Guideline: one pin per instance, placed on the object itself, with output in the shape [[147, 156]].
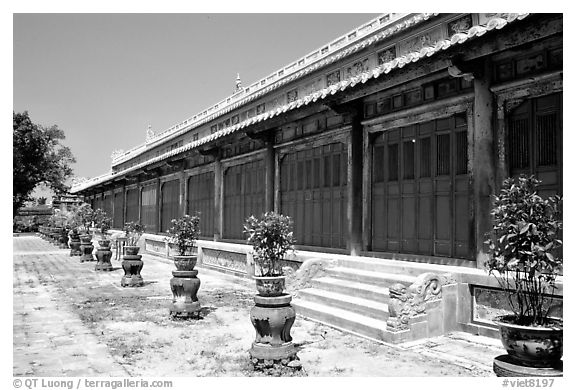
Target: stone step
[[394, 266], [370, 277], [367, 307], [352, 288], [341, 319]]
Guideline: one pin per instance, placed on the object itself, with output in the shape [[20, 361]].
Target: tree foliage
[[38, 158]]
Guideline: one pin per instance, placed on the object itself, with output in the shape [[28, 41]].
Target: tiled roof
[[496, 22]]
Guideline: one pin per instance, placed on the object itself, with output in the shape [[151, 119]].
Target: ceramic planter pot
[[270, 286], [86, 248], [185, 263], [529, 345], [131, 250], [103, 254], [75, 243], [132, 265]]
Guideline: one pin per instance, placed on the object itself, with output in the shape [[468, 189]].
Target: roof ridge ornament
[[238, 86], [149, 134]]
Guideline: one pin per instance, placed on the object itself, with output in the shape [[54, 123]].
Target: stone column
[[218, 203], [483, 168]]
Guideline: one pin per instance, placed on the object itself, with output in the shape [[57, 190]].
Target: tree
[[38, 158]]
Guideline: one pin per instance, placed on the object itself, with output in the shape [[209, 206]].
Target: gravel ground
[[134, 326]]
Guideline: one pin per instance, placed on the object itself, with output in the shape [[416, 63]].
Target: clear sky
[[103, 78]]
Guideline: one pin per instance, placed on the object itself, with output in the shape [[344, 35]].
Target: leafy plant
[[184, 232], [83, 217], [271, 236], [102, 222], [525, 249], [134, 231]]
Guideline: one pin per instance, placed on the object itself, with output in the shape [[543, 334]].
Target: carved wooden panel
[[243, 196], [420, 194], [118, 220], [170, 203], [201, 201], [313, 192], [149, 208], [132, 205]]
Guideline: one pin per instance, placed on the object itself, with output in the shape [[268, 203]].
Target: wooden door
[[535, 142], [118, 221], [201, 201], [170, 204], [149, 208], [420, 190], [243, 196], [132, 205], [313, 192]]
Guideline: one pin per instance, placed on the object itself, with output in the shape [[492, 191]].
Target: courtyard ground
[[69, 320]]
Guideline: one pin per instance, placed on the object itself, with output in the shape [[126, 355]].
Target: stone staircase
[[386, 300]]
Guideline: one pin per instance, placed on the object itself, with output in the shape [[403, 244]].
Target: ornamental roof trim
[[496, 22], [318, 58]]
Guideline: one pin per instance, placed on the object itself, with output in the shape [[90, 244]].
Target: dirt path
[[103, 329]]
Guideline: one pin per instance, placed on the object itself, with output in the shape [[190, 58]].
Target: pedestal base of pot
[[86, 253], [184, 286], [504, 365], [103, 254], [272, 318], [132, 265]]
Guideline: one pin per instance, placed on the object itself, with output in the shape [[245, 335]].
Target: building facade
[[388, 141]]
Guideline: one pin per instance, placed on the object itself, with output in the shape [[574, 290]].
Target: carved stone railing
[[407, 303], [310, 269]]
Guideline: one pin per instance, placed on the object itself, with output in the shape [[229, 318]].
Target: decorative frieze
[[333, 78], [157, 247], [224, 259], [386, 55], [292, 96], [460, 25], [357, 68], [415, 44]]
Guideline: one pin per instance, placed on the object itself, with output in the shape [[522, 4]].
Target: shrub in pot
[[526, 259], [84, 215], [102, 223], [183, 235], [271, 238], [132, 263], [133, 231], [185, 284]]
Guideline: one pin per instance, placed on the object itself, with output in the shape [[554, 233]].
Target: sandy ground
[[134, 327]]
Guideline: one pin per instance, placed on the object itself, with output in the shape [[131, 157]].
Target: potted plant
[[85, 218], [271, 237], [132, 262], [183, 234], [525, 257], [133, 231], [185, 284], [272, 316], [102, 223]]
